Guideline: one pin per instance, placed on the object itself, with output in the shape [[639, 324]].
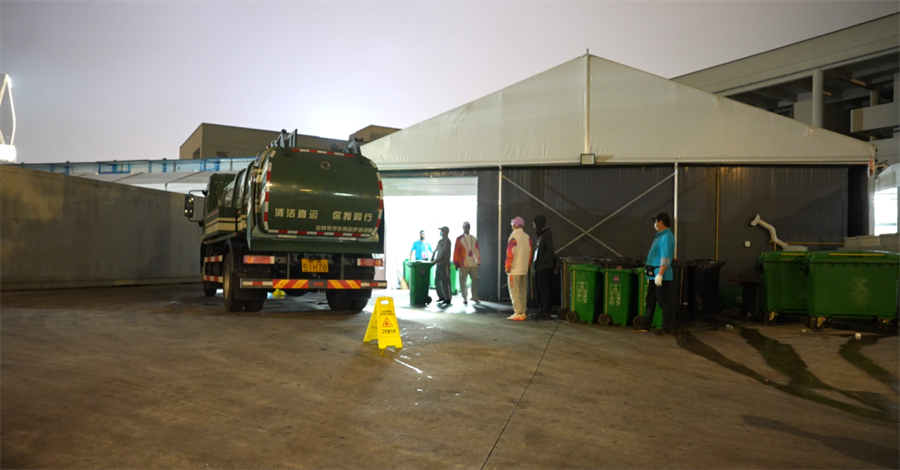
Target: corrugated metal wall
[[806, 204]]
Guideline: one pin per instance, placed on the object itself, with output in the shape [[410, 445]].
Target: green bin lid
[[585, 267], [864, 257], [783, 256], [620, 271]]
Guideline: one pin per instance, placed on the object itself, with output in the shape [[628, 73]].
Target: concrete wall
[[62, 231]]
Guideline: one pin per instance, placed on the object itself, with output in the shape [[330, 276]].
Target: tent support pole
[[587, 102], [717, 213], [500, 233], [675, 221]]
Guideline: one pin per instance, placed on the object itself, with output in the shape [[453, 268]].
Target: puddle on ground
[[804, 383]]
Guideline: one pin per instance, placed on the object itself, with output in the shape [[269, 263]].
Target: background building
[[218, 141], [847, 81]]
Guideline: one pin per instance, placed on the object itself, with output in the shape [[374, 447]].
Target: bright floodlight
[[6, 89], [8, 153]]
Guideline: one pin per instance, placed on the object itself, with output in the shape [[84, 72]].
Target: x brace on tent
[[583, 231]]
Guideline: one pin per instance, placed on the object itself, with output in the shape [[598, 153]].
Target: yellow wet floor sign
[[383, 325]]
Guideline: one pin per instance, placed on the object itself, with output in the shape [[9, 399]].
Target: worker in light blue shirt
[[421, 250], [659, 276]]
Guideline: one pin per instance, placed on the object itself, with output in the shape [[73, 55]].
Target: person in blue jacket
[[659, 275]]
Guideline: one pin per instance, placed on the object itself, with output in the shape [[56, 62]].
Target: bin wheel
[[769, 318], [603, 319], [881, 325], [638, 321], [561, 313], [427, 300], [817, 324], [571, 316]]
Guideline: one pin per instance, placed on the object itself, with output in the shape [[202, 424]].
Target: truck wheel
[[338, 300], [229, 287], [357, 305], [210, 288], [254, 305]]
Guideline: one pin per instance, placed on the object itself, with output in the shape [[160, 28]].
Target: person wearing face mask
[[543, 266], [659, 275], [441, 258]]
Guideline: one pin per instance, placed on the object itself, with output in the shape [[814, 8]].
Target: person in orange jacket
[[467, 259]]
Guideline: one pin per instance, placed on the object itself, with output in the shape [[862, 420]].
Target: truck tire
[[357, 305], [338, 300], [210, 288], [254, 305], [229, 287]]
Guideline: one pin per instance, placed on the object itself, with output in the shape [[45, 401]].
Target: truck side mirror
[[188, 206]]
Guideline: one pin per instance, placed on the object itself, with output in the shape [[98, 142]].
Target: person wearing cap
[[421, 250], [467, 258], [518, 261], [441, 258], [544, 264], [659, 263]]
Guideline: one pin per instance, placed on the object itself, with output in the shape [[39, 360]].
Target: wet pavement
[[163, 377]]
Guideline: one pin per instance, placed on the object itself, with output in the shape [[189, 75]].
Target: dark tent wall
[[806, 204]]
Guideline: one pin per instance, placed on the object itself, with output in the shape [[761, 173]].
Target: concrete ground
[[162, 377]]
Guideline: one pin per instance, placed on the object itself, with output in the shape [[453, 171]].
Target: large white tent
[[591, 105]]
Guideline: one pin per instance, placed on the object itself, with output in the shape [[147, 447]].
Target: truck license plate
[[314, 265]]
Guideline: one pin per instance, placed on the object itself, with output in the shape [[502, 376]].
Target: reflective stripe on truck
[[311, 284]]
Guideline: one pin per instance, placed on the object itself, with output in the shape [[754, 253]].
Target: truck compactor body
[[296, 219]]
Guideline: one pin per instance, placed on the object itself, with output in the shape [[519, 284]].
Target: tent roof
[[620, 114]]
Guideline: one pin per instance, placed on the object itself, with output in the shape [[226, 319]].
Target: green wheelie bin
[[587, 292], [784, 282], [859, 285], [616, 297], [419, 275], [641, 316]]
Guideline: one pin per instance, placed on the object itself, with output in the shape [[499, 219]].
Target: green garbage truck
[[297, 219]]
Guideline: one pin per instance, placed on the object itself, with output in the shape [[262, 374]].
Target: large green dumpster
[[640, 318], [419, 274], [784, 283], [616, 297], [853, 285], [586, 293]]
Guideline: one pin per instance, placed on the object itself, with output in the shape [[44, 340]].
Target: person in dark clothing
[[441, 258], [543, 266]]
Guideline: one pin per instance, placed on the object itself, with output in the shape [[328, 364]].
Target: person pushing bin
[[659, 274]]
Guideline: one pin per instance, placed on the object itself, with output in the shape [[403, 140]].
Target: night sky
[[132, 80]]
